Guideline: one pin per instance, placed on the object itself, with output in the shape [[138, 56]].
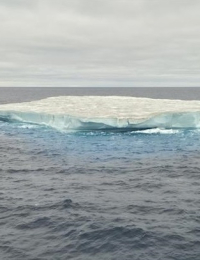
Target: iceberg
[[105, 113]]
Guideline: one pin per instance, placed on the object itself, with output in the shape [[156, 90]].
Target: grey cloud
[[87, 42]]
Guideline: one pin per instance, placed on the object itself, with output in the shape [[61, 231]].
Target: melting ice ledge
[[105, 113]]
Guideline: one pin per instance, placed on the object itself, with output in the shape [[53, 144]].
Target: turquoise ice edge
[[184, 120]]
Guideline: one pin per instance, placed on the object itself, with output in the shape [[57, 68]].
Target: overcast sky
[[100, 43]]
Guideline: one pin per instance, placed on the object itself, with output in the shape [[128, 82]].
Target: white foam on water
[[105, 113], [158, 131]]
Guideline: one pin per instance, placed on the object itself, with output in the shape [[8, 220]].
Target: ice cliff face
[[105, 113]]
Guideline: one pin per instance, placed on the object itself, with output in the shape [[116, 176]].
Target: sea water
[[106, 194]]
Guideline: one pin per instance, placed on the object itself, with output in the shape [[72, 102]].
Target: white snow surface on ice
[[105, 113]]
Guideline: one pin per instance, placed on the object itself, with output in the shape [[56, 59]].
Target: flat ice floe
[[105, 113]]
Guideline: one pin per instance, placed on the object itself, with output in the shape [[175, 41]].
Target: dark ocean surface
[[11, 95], [98, 195]]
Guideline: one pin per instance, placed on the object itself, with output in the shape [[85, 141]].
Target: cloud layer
[[99, 43]]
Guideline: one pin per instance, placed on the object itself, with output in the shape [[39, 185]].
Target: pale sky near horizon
[[122, 43]]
